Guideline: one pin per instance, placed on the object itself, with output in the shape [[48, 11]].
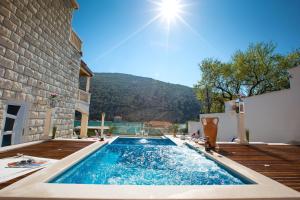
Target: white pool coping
[[36, 187]]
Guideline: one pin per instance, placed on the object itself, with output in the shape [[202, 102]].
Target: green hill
[[141, 99]]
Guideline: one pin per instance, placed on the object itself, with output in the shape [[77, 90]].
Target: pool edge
[[35, 186]]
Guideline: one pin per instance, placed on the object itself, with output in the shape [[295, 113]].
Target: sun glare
[[169, 9]]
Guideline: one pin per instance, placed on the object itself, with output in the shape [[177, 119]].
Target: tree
[[262, 70], [212, 102], [174, 129], [255, 71]]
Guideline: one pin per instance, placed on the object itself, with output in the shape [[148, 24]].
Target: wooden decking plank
[[49, 149], [279, 162]]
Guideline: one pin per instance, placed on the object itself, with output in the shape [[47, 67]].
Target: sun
[[169, 10]]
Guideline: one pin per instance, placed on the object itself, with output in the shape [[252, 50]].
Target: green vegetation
[[174, 129], [257, 70], [91, 133], [111, 129], [54, 132], [141, 99], [184, 130]]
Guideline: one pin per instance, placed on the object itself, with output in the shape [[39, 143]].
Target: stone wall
[[37, 59]]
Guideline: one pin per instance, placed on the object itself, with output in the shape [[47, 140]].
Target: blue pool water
[[137, 161]]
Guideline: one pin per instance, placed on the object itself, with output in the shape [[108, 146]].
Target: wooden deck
[[48, 149], [279, 162]]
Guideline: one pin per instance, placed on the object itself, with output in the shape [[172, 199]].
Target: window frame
[[23, 110]]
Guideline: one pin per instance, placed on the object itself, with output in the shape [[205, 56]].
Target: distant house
[[40, 65], [117, 118], [158, 124]]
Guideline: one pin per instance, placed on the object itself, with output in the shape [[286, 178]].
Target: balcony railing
[[75, 40], [84, 96]]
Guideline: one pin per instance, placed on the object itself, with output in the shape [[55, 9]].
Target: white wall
[[271, 117], [193, 127], [227, 128]]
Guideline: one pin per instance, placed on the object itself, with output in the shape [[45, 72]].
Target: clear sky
[[123, 36]]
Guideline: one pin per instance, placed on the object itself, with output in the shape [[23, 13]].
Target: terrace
[[39, 96], [84, 96], [278, 162], [48, 149]]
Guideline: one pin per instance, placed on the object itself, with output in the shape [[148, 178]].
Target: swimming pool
[[138, 161], [48, 183]]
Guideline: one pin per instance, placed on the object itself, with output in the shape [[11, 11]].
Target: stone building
[[40, 65]]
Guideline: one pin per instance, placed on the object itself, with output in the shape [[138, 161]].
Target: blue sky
[[118, 37]]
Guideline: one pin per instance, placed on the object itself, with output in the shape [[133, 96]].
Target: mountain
[[137, 98]]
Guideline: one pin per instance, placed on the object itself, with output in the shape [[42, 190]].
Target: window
[[13, 124], [9, 124], [6, 140], [12, 109]]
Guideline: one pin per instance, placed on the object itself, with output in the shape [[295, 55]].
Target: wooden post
[[84, 125]]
